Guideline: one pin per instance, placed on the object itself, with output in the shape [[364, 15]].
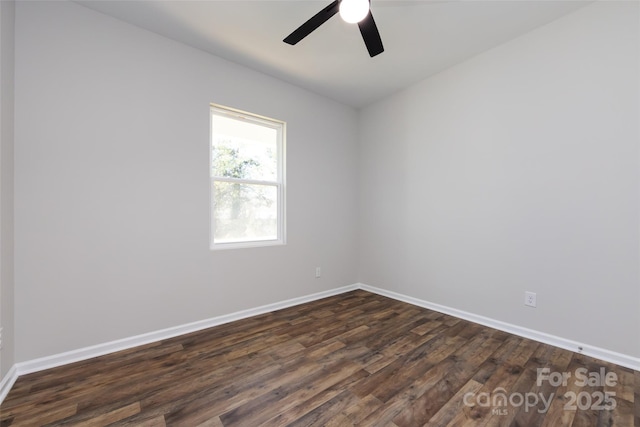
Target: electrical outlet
[[530, 299], [318, 272]]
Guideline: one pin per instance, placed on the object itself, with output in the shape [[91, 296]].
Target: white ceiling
[[421, 37]]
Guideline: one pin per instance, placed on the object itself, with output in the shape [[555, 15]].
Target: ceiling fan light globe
[[353, 11]]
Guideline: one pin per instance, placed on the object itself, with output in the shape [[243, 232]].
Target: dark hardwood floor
[[353, 359]]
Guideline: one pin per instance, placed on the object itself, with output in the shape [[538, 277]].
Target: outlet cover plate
[[530, 299]]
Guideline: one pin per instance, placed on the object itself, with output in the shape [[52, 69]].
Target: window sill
[[242, 245]]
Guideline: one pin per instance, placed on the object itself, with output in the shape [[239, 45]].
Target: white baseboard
[[55, 360], [7, 382], [586, 349], [130, 342]]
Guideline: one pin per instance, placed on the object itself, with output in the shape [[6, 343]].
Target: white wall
[[7, 21], [111, 184], [516, 170]]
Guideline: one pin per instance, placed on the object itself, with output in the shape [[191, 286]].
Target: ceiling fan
[[352, 11]]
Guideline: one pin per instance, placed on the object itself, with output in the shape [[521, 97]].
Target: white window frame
[[280, 128]]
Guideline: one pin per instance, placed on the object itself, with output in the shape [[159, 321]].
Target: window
[[247, 179]]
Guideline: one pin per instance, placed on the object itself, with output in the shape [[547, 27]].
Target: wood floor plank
[[213, 422], [511, 364], [460, 369], [154, 422], [352, 359], [46, 416], [590, 416], [99, 417], [323, 414], [455, 412], [636, 400], [402, 373], [287, 396], [559, 414], [288, 416], [533, 415], [361, 409]]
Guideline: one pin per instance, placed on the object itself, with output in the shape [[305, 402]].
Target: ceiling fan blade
[[308, 27], [370, 35]]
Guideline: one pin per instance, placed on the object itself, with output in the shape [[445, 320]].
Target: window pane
[[242, 149], [245, 212]]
